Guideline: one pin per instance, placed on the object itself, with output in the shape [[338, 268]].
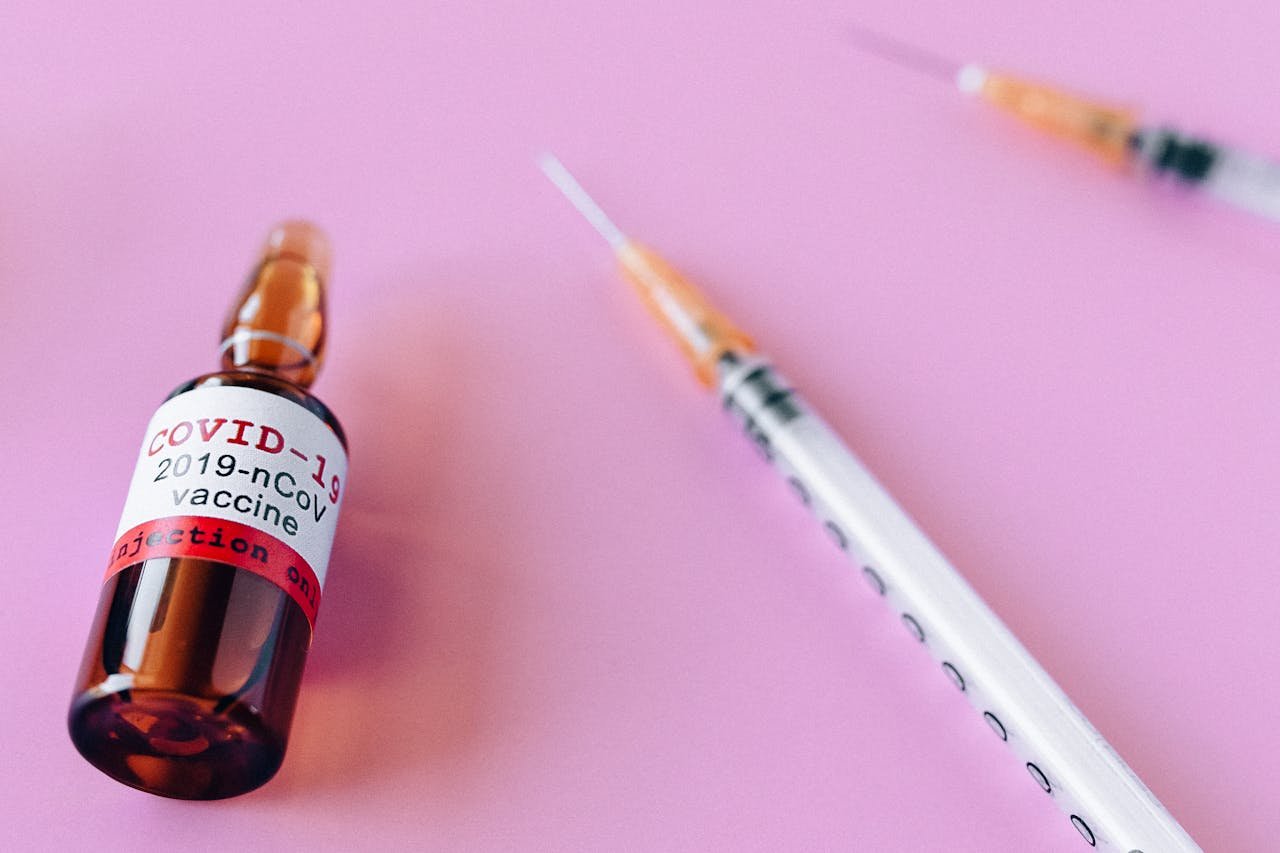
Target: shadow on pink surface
[[397, 674]]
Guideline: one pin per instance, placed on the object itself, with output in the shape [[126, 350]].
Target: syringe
[[1105, 801], [1112, 132]]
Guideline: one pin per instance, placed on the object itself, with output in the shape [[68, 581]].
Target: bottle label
[[239, 476]]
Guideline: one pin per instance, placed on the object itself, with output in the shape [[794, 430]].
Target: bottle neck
[[277, 326]]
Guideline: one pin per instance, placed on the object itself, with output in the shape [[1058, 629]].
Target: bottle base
[[175, 745]]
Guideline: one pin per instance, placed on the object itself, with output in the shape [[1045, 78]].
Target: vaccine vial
[[191, 673]]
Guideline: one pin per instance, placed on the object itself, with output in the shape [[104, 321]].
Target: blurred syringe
[[1112, 132], [1065, 755]]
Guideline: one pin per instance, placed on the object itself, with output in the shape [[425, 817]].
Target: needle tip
[[548, 163]]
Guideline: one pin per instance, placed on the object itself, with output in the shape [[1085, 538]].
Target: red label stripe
[[222, 541]]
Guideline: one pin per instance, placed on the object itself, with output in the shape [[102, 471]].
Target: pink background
[[569, 609]]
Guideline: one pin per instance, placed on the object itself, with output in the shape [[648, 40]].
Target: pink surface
[[569, 609]]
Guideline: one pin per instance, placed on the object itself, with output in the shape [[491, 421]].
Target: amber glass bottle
[[191, 674]]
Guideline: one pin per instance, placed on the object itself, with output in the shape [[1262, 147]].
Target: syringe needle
[[1104, 129], [1104, 801], [1109, 130], [577, 196], [702, 332], [902, 53]]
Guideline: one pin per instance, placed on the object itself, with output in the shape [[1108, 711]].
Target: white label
[[273, 471]]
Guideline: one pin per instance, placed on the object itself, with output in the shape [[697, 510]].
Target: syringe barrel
[[1241, 178], [1104, 799]]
